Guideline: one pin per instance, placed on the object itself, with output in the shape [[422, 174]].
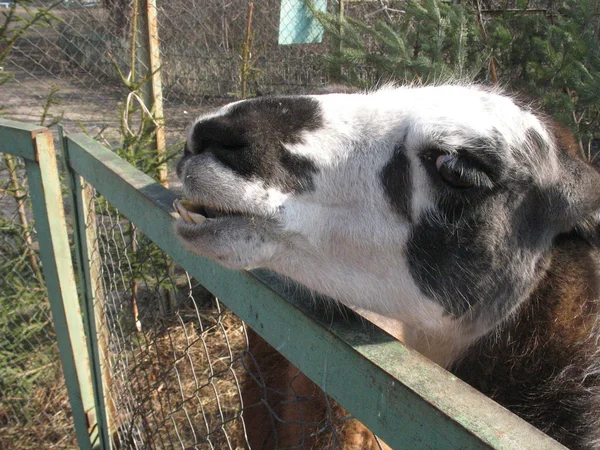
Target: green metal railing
[[35, 146], [403, 398]]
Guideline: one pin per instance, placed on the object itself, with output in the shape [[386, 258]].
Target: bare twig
[[19, 197], [7, 41], [246, 51]]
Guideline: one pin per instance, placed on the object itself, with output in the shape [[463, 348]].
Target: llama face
[[435, 206]]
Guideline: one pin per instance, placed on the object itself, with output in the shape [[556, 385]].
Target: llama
[[451, 209]]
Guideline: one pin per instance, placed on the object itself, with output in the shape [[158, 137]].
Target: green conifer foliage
[[431, 40], [552, 56]]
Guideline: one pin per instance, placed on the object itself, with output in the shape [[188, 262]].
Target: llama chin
[[450, 209]]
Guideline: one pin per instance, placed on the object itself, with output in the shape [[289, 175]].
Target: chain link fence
[[74, 67], [72, 71], [34, 406], [172, 352], [179, 371]]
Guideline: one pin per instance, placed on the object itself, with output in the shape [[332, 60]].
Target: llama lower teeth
[[183, 208], [198, 219]]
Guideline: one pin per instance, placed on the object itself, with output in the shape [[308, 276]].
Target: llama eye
[[453, 173]]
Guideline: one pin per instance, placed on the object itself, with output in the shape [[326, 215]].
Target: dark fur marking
[[487, 154], [454, 265], [470, 264], [395, 178], [250, 140]]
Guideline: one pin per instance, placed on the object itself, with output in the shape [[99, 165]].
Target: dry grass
[[40, 418], [185, 381]]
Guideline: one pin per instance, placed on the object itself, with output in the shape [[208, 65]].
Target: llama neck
[[443, 348], [546, 354]]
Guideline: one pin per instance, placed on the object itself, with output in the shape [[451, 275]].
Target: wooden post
[[18, 194], [148, 46], [149, 57], [338, 45], [246, 52]]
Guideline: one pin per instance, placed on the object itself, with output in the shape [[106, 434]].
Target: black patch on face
[[452, 267], [250, 140], [395, 177], [486, 154], [476, 256]]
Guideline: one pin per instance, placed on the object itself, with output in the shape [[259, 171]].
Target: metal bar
[[15, 138], [50, 224], [87, 256], [405, 399]]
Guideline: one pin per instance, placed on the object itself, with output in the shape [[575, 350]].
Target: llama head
[[436, 206]]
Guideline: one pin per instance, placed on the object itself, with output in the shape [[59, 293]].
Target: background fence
[[76, 61], [72, 70], [172, 353]]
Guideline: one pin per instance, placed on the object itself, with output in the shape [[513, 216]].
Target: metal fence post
[[87, 256], [35, 146]]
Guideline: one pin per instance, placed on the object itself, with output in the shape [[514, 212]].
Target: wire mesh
[[182, 371], [172, 351], [70, 70], [34, 406]]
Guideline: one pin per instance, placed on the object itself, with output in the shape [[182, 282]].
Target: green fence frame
[[405, 399], [35, 146]]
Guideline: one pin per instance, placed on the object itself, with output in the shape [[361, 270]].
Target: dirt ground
[[96, 110]]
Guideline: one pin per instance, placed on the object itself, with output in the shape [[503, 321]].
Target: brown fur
[[531, 364], [538, 363], [299, 414]]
